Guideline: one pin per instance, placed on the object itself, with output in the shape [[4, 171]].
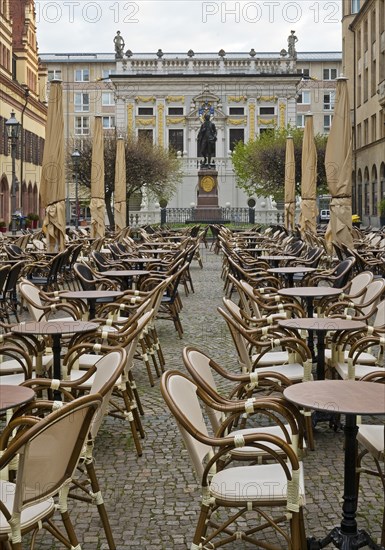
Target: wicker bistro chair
[[241, 487], [371, 448], [44, 470], [101, 379], [8, 297], [201, 369], [83, 357], [362, 311]]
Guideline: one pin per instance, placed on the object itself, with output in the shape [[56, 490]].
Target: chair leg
[[100, 504], [63, 501], [135, 393], [201, 527]]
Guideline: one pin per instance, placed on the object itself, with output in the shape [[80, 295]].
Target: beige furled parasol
[[97, 205], [289, 185], [120, 186], [338, 166], [309, 210], [52, 183]]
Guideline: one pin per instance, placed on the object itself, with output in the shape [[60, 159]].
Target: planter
[[382, 220], [3, 229]]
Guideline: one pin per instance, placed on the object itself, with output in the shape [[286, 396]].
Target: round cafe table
[[289, 272], [92, 297], [351, 398], [125, 275], [321, 326], [14, 396], [278, 258], [308, 293], [55, 329]]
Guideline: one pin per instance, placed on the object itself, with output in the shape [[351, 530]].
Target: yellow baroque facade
[[23, 84]]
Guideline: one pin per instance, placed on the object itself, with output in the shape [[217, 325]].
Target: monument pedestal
[[207, 209]]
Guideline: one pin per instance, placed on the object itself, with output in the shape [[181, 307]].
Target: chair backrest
[[108, 370], [197, 364], [13, 277], [49, 451], [181, 398], [358, 284], [85, 276], [342, 272], [31, 295], [373, 294], [4, 270], [99, 260]]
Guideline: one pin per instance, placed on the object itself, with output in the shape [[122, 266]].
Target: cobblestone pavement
[[153, 500]]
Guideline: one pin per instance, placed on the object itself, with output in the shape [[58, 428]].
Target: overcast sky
[[177, 26]]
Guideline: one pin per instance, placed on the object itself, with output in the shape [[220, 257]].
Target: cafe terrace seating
[[229, 493], [44, 470]]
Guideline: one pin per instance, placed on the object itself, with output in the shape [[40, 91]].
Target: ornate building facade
[[162, 96], [23, 91], [364, 64]]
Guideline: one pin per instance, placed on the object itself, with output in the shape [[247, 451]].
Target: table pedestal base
[[345, 542]]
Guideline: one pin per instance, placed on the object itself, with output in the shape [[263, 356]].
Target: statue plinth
[[207, 209]]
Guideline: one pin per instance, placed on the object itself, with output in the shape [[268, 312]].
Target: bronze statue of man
[[207, 137]]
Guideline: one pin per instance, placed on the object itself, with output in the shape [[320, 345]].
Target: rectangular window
[[359, 136], [236, 111], [82, 125], [304, 72], [145, 111], [108, 99], [267, 110], [329, 99], [327, 122], [355, 6], [175, 139], [146, 134], [175, 111], [300, 121], [54, 74], [330, 74], [108, 122], [366, 85], [81, 102], [304, 98], [373, 124], [236, 135], [366, 131], [107, 72], [82, 75]]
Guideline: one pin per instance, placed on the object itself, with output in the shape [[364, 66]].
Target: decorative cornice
[[237, 121], [145, 121], [268, 98], [175, 99], [145, 99], [175, 120]]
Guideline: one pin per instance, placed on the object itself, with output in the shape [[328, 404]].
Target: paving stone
[[153, 501]]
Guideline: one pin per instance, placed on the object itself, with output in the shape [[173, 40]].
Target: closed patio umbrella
[[52, 183], [120, 186], [338, 166], [309, 210], [97, 205], [289, 185]]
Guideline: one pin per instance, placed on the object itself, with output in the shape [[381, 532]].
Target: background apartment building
[[22, 90], [364, 63], [161, 96]]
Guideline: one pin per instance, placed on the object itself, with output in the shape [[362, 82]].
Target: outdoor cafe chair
[[44, 470], [362, 311], [241, 491], [9, 298], [371, 449], [336, 277], [101, 379], [368, 346], [267, 386]]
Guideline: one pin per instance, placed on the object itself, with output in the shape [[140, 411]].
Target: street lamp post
[[13, 129], [75, 159]]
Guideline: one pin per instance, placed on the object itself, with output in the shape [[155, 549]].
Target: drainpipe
[[26, 97], [355, 119]]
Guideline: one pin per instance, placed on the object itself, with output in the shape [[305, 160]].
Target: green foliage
[[260, 164], [381, 207], [146, 164]]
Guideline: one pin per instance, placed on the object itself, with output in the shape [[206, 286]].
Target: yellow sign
[[207, 183]]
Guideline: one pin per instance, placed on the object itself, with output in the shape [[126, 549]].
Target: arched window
[[382, 180], [366, 192], [359, 193], [374, 191], [4, 198]]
